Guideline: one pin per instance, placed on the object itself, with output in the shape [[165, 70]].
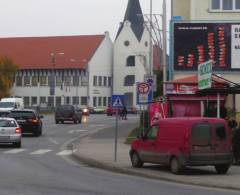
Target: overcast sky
[[65, 17]]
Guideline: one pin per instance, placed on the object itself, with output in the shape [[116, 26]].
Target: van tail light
[[18, 130]]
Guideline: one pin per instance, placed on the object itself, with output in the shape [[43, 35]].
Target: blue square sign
[[118, 101]]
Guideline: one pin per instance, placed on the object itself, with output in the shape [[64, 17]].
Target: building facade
[[208, 30], [73, 70], [131, 53]]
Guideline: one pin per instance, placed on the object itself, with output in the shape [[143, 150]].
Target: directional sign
[[205, 75], [118, 101], [144, 93]]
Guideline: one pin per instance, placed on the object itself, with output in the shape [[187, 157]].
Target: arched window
[[129, 80], [131, 61]]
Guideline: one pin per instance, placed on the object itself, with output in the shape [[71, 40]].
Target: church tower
[[131, 53]]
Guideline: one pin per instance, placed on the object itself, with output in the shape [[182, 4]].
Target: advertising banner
[[196, 43], [157, 110]]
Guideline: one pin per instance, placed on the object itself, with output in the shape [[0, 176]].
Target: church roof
[[71, 52], [134, 15]]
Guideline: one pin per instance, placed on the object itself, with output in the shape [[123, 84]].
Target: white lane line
[[65, 153], [14, 151], [53, 140], [77, 131], [41, 151]]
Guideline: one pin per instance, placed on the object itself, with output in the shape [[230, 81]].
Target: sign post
[[117, 103]]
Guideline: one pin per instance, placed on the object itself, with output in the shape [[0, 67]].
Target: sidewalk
[[99, 152]]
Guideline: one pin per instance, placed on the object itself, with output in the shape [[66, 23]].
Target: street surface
[[44, 165]]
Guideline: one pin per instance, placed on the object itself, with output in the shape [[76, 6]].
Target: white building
[[131, 53], [81, 67]]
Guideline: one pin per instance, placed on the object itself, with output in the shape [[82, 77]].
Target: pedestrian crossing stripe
[[117, 102], [42, 151], [65, 153], [14, 151]]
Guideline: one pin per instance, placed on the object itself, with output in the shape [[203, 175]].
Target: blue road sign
[[118, 101], [144, 93]]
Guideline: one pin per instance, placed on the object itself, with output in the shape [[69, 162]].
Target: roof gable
[[134, 15], [72, 52]]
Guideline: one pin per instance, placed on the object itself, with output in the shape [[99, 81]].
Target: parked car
[[4, 113], [10, 132], [110, 111], [131, 110], [68, 113], [181, 142], [29, 120]]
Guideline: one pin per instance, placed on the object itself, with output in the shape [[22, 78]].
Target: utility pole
[[164, 28], [150, 42]]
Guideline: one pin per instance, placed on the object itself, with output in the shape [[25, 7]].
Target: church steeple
[[134, 15]]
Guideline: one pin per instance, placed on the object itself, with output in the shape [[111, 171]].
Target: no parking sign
[[144, 93]]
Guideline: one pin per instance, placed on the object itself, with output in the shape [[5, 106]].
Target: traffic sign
[[144, 93], [205, 75], [118, 101]]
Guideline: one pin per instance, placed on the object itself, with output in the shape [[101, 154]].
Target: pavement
[[98, 150]]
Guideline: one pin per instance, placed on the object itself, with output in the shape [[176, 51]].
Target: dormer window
[[130, 61]]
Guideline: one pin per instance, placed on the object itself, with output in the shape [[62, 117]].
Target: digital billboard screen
[[196, 43]]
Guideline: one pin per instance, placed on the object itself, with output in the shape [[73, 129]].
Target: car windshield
[[7, 123], [22, 114], [65, 107], [6, 104]]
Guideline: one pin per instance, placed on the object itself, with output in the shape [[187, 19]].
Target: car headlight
[[85, 110]]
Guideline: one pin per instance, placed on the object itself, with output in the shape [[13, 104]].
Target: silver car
[[10, 132]]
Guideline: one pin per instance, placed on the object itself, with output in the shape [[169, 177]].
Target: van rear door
[[201, 143]]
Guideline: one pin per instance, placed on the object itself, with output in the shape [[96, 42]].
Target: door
[[148, 149], [202, 143]]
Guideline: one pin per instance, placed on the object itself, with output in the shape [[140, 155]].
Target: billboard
[[196, 43]]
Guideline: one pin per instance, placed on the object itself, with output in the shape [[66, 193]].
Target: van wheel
[[222, 169], [75, 121], [136, 161], [175, 166], [18, 144]]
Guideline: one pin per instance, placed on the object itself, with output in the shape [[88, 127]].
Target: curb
[[134, 172]]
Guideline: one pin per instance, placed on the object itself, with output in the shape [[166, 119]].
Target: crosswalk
[[37, 152]]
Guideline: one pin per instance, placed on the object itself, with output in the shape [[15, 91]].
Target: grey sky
[[65, 17]]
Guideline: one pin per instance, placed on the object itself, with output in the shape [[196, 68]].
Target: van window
[[152, 134], [220, 131], [201, 133]]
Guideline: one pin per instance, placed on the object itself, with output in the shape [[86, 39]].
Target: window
[[75, 100], [58, 81], [131, 61], [152, 133], [84, 100], [201, 134], [94, 101], [109, 81], [104, 81], [18, 81], [34, 101], [26, 81], [50, 101], [104, 101], [67, 100], [34, 80], [100, 81], [129, 80], [26, 101], [94, 80], [75, 80], [126, 43], [99, 101], [225, 5], [43, 100], [43, 80], [67, 80], [220, 132], [84, 80], [51, 81], [58, 101]]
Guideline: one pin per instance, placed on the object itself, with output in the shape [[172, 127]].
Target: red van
[[181, 142]]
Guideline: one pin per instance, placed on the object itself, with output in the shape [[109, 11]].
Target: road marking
[[77, 131], [53, 140], [65, 153], [14, 151], [41, 151]]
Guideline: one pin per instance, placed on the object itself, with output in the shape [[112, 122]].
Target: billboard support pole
[[218, 105]]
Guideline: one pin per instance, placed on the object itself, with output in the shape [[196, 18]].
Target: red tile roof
[[35, 52]]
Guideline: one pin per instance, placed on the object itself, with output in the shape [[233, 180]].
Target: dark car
[[29, 120], [85, 110], [68, 113]]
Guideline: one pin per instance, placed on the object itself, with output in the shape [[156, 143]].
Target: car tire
[[18, 144], [136, 161], [62, 121], [75, 121], [222, 168], [57, 121], [175, 166]]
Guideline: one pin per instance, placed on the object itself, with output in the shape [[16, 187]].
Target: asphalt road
[[44, 166]]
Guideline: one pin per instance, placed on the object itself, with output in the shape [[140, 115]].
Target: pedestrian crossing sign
[[117, 101]]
